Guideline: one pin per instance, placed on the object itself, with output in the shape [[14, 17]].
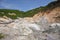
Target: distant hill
[[48, 7], [16, 13], [11, 13], [30, 13]]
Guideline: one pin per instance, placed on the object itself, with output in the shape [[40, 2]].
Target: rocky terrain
[[42, 26]]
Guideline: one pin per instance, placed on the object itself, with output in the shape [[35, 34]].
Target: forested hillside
[[11, 13], [30, 13]]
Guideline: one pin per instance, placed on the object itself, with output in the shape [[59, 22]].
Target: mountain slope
[[10, 13], [30, 13]]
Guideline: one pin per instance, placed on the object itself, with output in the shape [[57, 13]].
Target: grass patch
[[1, 35]]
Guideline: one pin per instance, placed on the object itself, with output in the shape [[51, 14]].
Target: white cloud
[[4, 4], [8, 5]]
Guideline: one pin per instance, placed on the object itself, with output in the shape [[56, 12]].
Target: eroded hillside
[[45, 25]]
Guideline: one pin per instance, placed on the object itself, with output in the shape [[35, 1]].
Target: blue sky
[[23, 5]]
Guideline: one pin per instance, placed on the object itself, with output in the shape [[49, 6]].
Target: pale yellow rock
[[13, 14], [53, 15], [5, 17]]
